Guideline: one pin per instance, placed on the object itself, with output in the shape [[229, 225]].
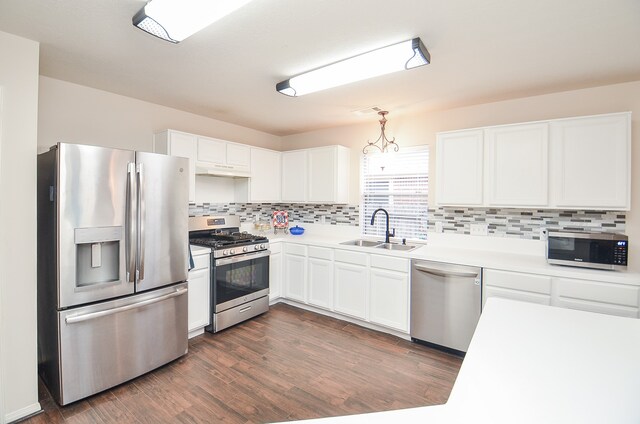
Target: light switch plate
[[439, 227]]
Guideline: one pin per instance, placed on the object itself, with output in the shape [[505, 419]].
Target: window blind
[[397, 182]]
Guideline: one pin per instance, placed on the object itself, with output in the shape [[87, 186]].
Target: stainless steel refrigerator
[[112, 265]]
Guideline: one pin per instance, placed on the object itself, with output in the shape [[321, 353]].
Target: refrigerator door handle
[[131, 224], [93, 315], [141, 221]]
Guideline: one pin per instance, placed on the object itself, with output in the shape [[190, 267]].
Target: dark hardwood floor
[[285, 365]]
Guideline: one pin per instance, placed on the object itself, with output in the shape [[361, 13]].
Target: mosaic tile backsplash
[[248, 212], [514, 223], [525, 224]]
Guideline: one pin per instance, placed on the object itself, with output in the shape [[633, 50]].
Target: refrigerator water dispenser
[[97, 255]]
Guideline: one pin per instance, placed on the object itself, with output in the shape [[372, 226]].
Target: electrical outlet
[[479, 229], [323, 219], [543, 234], [439, 227]]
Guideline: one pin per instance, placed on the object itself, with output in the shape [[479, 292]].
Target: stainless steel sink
[[361, 243], [399, 247]]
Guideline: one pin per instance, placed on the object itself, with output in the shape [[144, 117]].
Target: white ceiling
[[481, 51]]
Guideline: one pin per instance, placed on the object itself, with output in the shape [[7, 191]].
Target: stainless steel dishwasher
[[445, 303]]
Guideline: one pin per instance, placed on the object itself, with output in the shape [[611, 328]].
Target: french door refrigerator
[[112, 265]]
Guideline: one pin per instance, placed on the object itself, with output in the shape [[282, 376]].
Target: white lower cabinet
[[295, 272], [517, 286], [595, 296], [275, 271], [199, 295], [351, 289], [390, 299], [586, 295], [320, 277]]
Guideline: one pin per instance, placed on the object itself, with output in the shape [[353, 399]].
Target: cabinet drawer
[[320, 253], [597, 292], [295, 249], [489, 291], [517, 281], [275, 247], [390, 263], [201, 261], [349, 257]]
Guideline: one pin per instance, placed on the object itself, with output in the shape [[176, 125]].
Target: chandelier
[[382, 139]]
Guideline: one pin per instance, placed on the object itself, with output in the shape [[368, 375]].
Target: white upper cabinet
[[175, 143], [294, 176], [590, 161], [459, 168], [265, 182], [319, 175], [577, 163], [516, 165], [220, 157]]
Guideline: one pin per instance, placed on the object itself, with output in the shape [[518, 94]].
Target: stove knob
[[245, 249], [232, 251], [262, 246], [225, 252], [256, 247]]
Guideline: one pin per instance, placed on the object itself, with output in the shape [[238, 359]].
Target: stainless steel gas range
[[239, 269]]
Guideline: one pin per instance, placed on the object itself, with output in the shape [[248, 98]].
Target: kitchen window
[[399, 183]]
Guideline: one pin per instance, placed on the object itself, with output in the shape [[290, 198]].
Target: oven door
[[240, 279]]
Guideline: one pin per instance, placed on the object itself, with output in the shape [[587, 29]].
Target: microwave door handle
[[131, 223], [141, 221]]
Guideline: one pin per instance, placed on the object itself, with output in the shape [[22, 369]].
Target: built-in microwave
[[588, 250]]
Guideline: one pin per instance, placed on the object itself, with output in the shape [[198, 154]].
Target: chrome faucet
[[386, 232]]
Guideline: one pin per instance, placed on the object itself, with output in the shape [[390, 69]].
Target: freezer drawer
[[109, 343], [445, 303]]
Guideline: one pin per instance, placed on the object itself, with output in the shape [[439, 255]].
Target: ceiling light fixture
[[383, 140], [175, 20], [396, 57]]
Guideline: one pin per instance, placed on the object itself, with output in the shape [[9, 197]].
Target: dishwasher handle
[[443, 273]]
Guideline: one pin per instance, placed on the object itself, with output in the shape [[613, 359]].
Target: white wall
[[78, 114], [18, 144], [421, 127]]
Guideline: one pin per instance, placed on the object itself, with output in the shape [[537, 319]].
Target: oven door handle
[[243, 257]]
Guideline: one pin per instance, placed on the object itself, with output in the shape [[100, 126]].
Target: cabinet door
[[595, 296], [294, 176], [459, 168], [179, 144], [321, 167], [238, 156], [351, 289], [517, 286], [516, 165], [198, 298], [275, 275], [390, 299], [212, 150], [294, 277], [265, 183], [320, 282], [590, 160]]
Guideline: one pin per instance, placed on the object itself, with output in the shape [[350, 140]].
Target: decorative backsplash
[[249, 212], [525, 224], [514, 223]]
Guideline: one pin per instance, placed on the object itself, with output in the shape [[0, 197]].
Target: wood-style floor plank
[[288, 364]]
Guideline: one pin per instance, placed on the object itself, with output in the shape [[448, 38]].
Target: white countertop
[[472, 254], [530, 363]]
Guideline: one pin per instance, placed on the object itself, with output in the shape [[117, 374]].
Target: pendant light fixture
[[175, 20], [396, 57], [382, 139]]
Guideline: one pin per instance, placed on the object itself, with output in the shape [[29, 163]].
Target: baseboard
[[23, 412]]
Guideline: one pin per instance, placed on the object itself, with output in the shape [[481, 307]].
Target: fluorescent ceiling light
[[405, 55], [175, 20]]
